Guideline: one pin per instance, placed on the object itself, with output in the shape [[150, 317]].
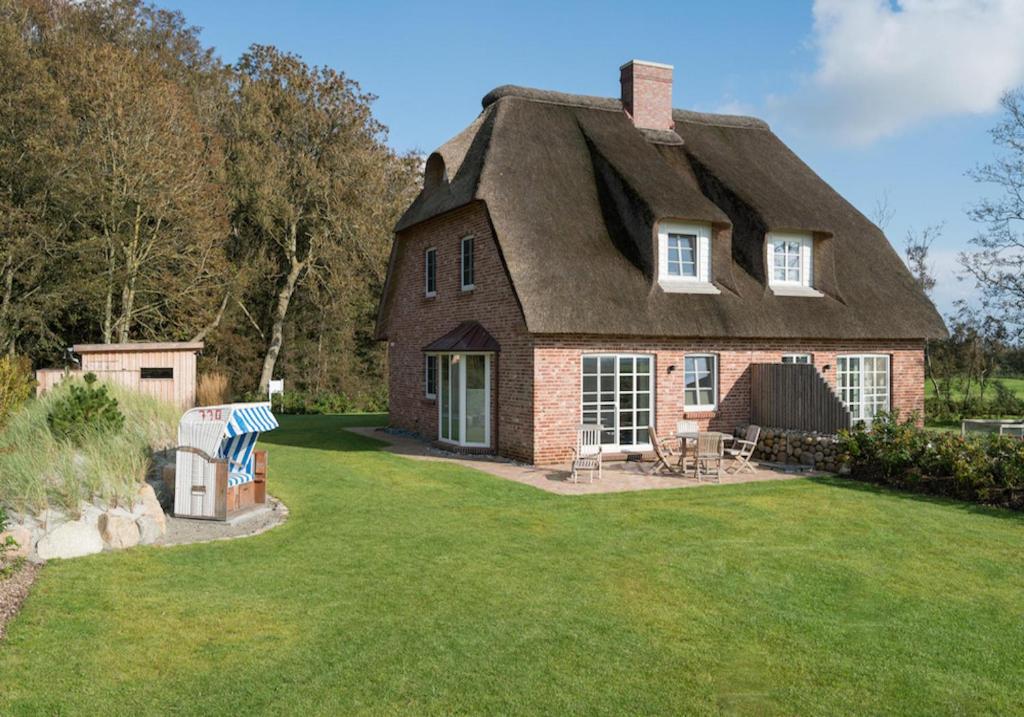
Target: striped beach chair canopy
[[228, 432]]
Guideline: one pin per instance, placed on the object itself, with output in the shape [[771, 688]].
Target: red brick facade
[[415, 320], [557, 381], [536, 380]]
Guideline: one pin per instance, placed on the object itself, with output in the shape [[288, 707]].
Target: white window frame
[[464, 258], [798, 358], [616, 447], [427, 360], [843, 370], [702, 408], [461, 363], [804, 286], [699, 284], [427, 291]]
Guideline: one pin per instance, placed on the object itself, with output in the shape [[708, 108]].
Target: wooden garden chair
[[663, 452], [709, 456], [742, 450], [686, 426], [587, 453]]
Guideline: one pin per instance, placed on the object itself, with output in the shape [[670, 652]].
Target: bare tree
[[916, 247], [882, 213], [997, 263]]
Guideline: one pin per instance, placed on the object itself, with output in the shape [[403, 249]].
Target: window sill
[[795, 291], [428, 399], [676, 286], [467, 289], [430, 295], [700, 412]]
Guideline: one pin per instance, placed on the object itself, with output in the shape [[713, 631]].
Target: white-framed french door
[[464, 399], [618, 393], [863, 381]]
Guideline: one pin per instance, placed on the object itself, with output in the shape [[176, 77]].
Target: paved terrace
[[618, 477]]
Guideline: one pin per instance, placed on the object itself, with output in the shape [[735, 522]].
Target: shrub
[[982, 468], [213, 389], [326, 402], [15, 384], [83, 410]]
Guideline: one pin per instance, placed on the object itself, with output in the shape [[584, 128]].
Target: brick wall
[[557, 382], [413, 321]]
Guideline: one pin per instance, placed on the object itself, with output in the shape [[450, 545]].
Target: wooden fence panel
[[795, 396]]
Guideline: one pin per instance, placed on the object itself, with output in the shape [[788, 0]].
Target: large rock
[[151, 507], [149, 530], [118, 530], [69, 540], [23, 539]]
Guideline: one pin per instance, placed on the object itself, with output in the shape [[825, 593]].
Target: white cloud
[[883, 66]]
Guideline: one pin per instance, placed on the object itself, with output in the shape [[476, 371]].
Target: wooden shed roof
[[139, 346]]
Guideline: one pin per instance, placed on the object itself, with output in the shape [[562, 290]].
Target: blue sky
[[880, 97]]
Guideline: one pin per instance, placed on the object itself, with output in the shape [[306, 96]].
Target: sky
[[889, 100]]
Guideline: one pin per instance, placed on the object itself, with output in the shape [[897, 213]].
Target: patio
[[618, 476]]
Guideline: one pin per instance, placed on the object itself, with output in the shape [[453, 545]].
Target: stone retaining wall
[[809, 448]]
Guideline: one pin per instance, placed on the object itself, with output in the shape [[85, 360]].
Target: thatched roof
[[574, 190]]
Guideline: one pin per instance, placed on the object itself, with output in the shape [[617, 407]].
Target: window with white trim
[[430, 272], [684, 257], [430, 376], [700, 382], [466, 263], [791, 262], [863, 382], [796, 358], [618, 394]]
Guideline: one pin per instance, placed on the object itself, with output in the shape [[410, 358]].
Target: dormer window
[[791, 264], [684, 258]]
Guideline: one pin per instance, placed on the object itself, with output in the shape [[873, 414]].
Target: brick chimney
[[647, 93]]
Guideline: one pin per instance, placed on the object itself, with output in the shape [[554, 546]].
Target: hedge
[[979, 468]]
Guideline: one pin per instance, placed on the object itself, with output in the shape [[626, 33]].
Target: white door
[[464, 399], [618, 393]]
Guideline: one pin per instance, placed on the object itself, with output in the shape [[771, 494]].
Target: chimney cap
[[662, 65]]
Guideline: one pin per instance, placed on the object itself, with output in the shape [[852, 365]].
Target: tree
[[916, 247], [33, 124], [311, 178], [997, 265]]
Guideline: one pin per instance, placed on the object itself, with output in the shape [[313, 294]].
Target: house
[[164, 370], [580, 259]]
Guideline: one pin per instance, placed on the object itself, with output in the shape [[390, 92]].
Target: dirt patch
[[182, 531], [13, 590]]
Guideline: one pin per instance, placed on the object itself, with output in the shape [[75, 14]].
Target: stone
[[69, 540], [151, 507], [149, 530], [90, 514], [118, 531], [23, 537]]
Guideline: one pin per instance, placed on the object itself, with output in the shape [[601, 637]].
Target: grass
[[37, 471], [1015, 384], [411, 587]]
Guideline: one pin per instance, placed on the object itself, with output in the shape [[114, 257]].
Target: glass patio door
[[864, 385], [464, 399], [618, 393]]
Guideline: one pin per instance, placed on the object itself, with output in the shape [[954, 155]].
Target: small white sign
[[275, 386]]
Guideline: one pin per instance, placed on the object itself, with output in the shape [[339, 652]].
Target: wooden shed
[[165, 370]]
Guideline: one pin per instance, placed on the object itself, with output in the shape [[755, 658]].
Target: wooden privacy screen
[[794, 396]]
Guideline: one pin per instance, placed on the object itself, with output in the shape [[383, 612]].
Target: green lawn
[[412, 587], [1014, 384]]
